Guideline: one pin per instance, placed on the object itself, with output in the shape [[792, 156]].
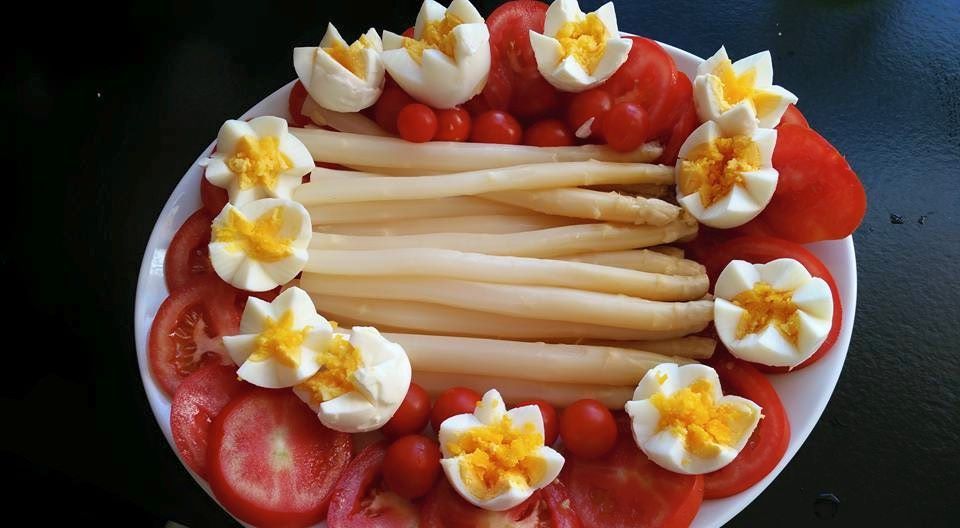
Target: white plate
[[804, 393]]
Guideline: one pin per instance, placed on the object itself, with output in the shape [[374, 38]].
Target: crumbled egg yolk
[[351, 57], [498, 456], [585, 40], [438, 35], [714, 168], [258, 162], [730, 89], [763, 306], [259, 239], [279, 341], [692, 414], [339, 362]]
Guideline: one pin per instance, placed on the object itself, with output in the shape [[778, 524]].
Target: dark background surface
[[110, 106]]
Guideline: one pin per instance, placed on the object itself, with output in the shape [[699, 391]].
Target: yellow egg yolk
[[351, 57], [498, 456], [338, 363], [729, 89], [764, 306], [715, 168], [585, 40], [437, 35], [692, 414], [258, 162], [259, 239], [279, 341]]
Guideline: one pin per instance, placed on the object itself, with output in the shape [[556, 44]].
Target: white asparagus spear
[[352, 122], [406, 209], [647, 190], [516, 391], [455, 224], [363, 187], [543, 243], [535, 302], [431, 262], [392, 171], [350, 149], [694, 347], [670, 251], [642, 260], [428, 318], [595, 205]]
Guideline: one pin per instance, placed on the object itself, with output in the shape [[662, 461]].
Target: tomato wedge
[[769, 440], [187, 328], [271, 462], [625, 489], [196, 403], [444, 508], [793, 116], [359, 500], [646, 79], [188, 258], [213, 198], [298, 95]]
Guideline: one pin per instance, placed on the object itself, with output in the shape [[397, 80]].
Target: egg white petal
[[269, 126], [547, 51], [644, 418], [553, 464], [299, 304], [784, 274], [306, 397], [230, 134], [650, 384], [559, 13], [812, 332], [608, 15], [452, 428], [374, 39], [332, 37], [709, 65], [704, 97], [739, 120], [735, 209], [430, 11], [726, 319], [272, 374], [284, 270], [350, 412], [225, 260], [704, 134], [239, 347], [286, 183], [688, 374], [465, 11], [760, 185], [491, 407], [614, 55], [436, 67], [761, 63], [784, 98], [255, 314], [373, 347], [392, 41], [666, 450], [569, 76], [470, 39], [528, 414], [738, 277], [511, 497], [385, 383], [240, 197], [217, 172], [815, 299], [766, 140], [252, 276]]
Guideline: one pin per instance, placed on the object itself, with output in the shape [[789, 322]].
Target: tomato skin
[[453, 124], [548, 133], [196, 403], [188, 258], [646, 79], [495, 126], [213, 198], [412, 416], [388, 107], [417, 123], [358, 501], [298, 95], [685, 125], [562, 514], [593, 103], [451, 402], [588, 429], [770, 439], [411, 466], [534, 98], [625, 127], [444, 508], [793, 116], [551, 427]]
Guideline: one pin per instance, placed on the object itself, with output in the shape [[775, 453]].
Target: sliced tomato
[[769, 440], [271, 462], [444, 508], [196, 403], [646, 79], [625, 489], [793, 116], [818, 195], [681, 130], [298, 95], [187, 328], [758, 249], [213, 198], [360, 501], [188, 258]]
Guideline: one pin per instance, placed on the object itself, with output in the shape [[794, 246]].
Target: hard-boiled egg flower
[[495, 458], [280, 341], [447, 61], [362, 381], [682, 421], [341, 77], [257, 159], [261, 244], [725, 176], [775, 313], [720, 85], [578, 51]]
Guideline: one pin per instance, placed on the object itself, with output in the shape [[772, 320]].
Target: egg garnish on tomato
[[725, 174], [362, 380], [681, 420], [721, 84], [578, 51], [776, 313], [341, 77], [280, 342], [447, 60], [495, 458], [260, 245], [257, 159]]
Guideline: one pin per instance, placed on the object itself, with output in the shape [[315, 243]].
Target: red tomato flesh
[[548, 133], [646, 79], [444, 508], [298, 95], [213, 198], [359, 501], [793, 116], [188, 258], [496, 126]]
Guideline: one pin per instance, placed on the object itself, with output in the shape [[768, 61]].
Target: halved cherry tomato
[[412, 415], [646, 79], [453, 124], [588, 429], [818, 195], [769, 440], [444, 508], [496, 126], [187, 328], [359, 500], [188, 258], [548, 133], [196, 403], [551, 425], [626, 126], [298, 95], [451, 402], [213, 198], [388, 107], [417, 123], [793, 116], [625, 489], [411, 466], [593, 103], [271, 462], [762, 249]]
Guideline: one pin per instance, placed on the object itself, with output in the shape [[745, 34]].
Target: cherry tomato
[[548, 133], [769, 440], [550, 427], [298, 95], [593, 103], [453, 124], [412, 415], [546, 508], [646, 79], [388, 107], [417, 123], [458, 400], [793, 117], [412, 466], [496, 126], [625, 127], [213, 198], [188, 258], [588, 429], [358, 500]]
